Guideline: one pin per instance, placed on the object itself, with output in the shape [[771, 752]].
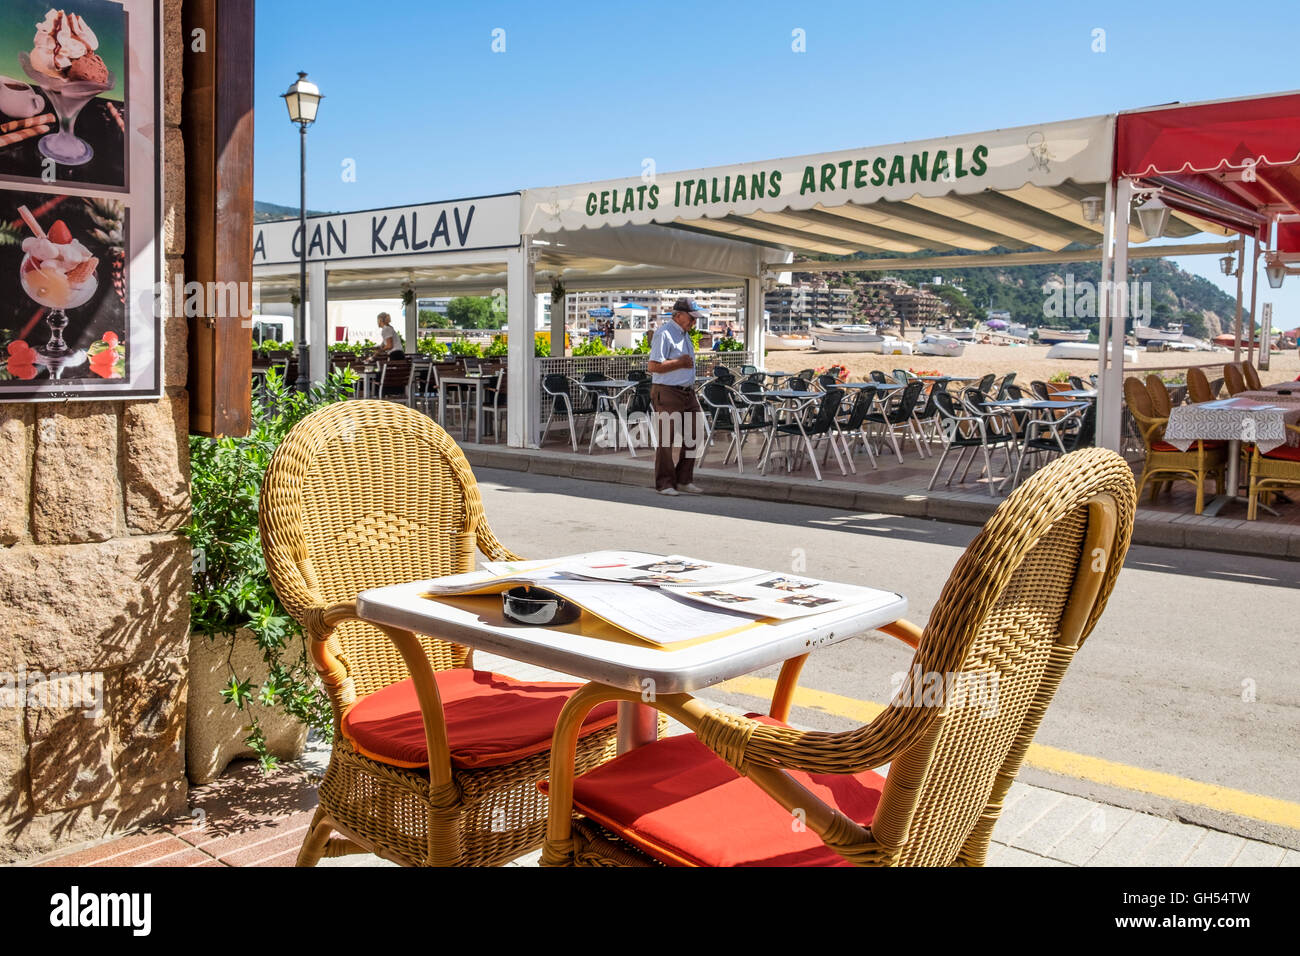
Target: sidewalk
[[900, 489], [244, 819]]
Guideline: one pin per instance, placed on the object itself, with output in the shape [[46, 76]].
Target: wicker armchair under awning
[[364, 494]]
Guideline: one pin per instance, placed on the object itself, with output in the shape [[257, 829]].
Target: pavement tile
[[1013, 856], [1215, 849], [1048, 830], [1290, 858], [1018, 817], [1126, 846], [184, 857], [1174, 845], [1255, 853], [137, 845], [285, 839], [1091, 833]]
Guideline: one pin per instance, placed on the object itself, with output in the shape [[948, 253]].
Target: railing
[[619, 366]]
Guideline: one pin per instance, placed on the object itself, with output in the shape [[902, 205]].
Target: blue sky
[[418, 101]]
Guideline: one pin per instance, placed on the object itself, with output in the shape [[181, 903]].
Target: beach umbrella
[[996, 325]]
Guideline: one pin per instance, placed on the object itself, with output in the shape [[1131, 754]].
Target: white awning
[[1015, 188]]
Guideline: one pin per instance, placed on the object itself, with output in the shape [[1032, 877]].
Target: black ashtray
[[538, 607], [1284, 391]]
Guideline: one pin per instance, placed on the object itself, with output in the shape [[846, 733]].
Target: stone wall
[[94, 575]]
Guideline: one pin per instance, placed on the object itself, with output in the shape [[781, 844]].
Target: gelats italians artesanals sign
[[1005, 159]]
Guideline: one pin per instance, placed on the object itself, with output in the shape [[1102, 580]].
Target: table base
[[638, 725]]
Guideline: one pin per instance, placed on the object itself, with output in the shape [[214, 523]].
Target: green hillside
[[266, 211]]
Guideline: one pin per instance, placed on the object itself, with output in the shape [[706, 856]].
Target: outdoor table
[[478, 381], [1078, 393], [1234, 420], [629, 665], [878, 386], [1293, 387], [605, 400]]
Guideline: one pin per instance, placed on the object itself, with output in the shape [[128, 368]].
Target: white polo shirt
[[669, 343], [389, 338]]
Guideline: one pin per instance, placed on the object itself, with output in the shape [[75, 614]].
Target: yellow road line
[[1063, 762]]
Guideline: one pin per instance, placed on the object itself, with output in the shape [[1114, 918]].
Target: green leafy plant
[[498, 348], [432, 348], [541, 345], [1060, 377], [231, 586], [272, 349], [729, 345], [465, 347], [593, 346]]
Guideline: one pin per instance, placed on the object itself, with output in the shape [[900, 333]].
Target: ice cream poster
[[80, 239], [64, 290], [63, 92]]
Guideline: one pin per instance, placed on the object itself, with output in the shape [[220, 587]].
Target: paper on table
[[635, 567], [780, 596]]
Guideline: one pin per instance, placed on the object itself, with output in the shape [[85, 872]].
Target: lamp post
[[303, 100]]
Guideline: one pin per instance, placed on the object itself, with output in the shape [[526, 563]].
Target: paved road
[[1193, 671]]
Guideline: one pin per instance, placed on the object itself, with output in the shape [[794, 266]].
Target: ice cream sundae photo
[[64, 63], [58, 272]]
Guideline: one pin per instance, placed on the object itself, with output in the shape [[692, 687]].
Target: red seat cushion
[[1165, 446], [1284, 452], [677, 801], [491, 719]]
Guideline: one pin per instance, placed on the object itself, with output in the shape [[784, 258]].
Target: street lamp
[[303, 100], [1228, 265], [1276, 271], [1091, 207]]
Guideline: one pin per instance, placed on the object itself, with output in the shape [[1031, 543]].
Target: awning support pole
[[318, 358], [411, 341], [522, 386], [1241, 273], [1254, 288], [754, 320], [1110, 384], [1103, 318]]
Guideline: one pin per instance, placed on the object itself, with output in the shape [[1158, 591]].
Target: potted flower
[[253, 690]]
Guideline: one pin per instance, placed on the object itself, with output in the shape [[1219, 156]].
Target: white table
[[626, 666], [478, 381]]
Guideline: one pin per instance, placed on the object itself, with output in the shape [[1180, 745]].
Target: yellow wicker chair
[[364, 494], [1159, 394], [1198, 386], [1233, 380], [1277, 468], [1163, 459], [1253, 383], [1017, 606]]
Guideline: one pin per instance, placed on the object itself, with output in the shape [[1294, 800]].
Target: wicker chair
[[1253, 383], [1196, 464], [754, 791], [1198, 386], [1233, 380], [1281, 466], [363, 494]]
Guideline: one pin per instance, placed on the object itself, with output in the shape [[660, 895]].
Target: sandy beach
[[1029, 362]]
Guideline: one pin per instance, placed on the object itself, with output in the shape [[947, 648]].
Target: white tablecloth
[[1241, 418]]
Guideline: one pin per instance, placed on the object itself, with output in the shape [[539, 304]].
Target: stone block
[[173, 207], [156, 463], [174, 48], [74, 490], [13, 760], [16, 466], [146, 704], [94, 606], [69, 754]]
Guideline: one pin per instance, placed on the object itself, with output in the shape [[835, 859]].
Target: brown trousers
[[677, 417]]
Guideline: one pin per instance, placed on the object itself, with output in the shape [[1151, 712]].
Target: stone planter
[[215, 730]]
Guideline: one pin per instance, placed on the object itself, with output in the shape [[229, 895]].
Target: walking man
[[672, 393]]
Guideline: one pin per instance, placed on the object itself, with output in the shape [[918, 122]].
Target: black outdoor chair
[[560, 389], [723, 410], [395, 381], [1006, 384], [879, 377], [986, 383], [854, 425], [897, 413], [1041, 391], [824, 425], [967, 430], [1047, 437]]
